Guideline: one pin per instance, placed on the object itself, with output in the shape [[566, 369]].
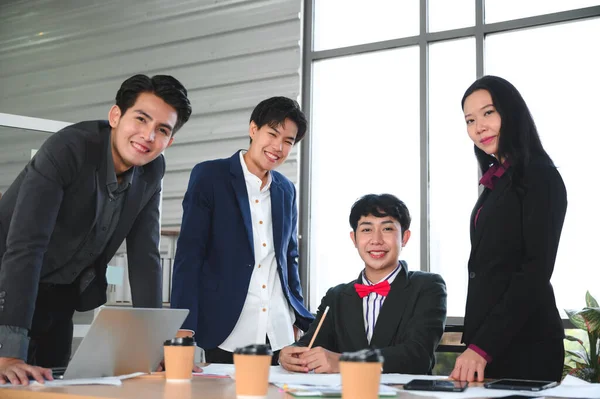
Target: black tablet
[[436, 385], [521, 385]]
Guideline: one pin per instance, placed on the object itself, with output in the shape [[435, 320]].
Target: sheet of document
[[280, 375], [217, 370], [115, 381], [316, 390]]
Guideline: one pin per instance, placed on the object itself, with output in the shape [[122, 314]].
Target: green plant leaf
[[591, 319], [574, 339], [576, 319], [578, 357], [590, 302]]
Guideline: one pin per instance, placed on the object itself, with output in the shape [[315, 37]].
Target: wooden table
[[151, 387]]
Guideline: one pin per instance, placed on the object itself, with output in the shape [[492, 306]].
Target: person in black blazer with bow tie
[[512, 327], [388, 307]]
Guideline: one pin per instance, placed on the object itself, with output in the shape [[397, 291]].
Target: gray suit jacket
[[49, 209]]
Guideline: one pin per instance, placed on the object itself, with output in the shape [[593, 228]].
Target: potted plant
[[585, 364]]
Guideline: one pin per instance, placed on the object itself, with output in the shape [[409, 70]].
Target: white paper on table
[[218, 369], [329, 380], [228, 370], [571, 387], [319, 390], [569, 380], [115, 381], [335, 380]]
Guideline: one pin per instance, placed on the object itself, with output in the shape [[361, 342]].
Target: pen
[[318, 327]]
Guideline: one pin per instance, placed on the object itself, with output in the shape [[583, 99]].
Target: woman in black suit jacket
[[512, 326]]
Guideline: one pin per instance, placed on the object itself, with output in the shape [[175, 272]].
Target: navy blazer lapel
[[241, 193], [351, 307], [277, 203], [392, 311], [489, 201]]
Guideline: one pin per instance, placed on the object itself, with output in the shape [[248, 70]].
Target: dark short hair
[[379, 206], [169, 89], [519, 140], [275, 110]]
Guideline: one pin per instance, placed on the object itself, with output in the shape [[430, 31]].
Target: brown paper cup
[[360, 380], [251, 375], [177, 391], [184, 333], [179, 361]]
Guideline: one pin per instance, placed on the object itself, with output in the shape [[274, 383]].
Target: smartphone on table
[[436, 385], [520, 385]]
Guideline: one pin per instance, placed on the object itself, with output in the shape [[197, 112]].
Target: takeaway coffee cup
[[252, 364], [361, 374], [184, 333], [179, 358]]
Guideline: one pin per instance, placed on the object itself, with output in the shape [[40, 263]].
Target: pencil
[[312, 341]]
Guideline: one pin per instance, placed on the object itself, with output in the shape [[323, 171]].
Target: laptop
[[123, 340]]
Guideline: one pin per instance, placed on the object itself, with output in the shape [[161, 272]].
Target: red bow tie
[[382, 288]]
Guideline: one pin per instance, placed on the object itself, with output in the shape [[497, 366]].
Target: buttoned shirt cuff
[[481, 352], [14, 342]]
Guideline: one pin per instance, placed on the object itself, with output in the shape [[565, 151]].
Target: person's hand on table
[[467, 364], [17, 372], [289, 358], [321, 360]]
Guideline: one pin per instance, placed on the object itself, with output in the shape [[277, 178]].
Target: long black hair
[[519, 140]]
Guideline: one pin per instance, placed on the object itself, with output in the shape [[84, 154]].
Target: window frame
[[479, 31]]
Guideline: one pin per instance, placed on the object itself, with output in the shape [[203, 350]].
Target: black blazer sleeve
[[414, 350], [41, 191], [544, 203], [143, 257]]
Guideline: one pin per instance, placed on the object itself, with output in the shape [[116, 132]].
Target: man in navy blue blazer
[[236, 266]]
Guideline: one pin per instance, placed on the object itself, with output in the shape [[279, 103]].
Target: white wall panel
[[65, 60]]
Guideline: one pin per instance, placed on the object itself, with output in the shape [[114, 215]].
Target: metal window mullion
[[305, 153], [424, 136], [479, 37], [541, 20]]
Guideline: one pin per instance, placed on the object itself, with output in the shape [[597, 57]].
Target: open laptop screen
[[123, 340]]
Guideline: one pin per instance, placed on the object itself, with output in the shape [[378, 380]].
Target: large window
[[341, 23], [365, 104], [558, 77], [452, 166], [382, 86]]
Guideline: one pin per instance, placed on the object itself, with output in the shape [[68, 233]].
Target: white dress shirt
[[373, 302], [266, 311]]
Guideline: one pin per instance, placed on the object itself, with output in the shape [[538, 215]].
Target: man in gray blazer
[[89, 187]]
